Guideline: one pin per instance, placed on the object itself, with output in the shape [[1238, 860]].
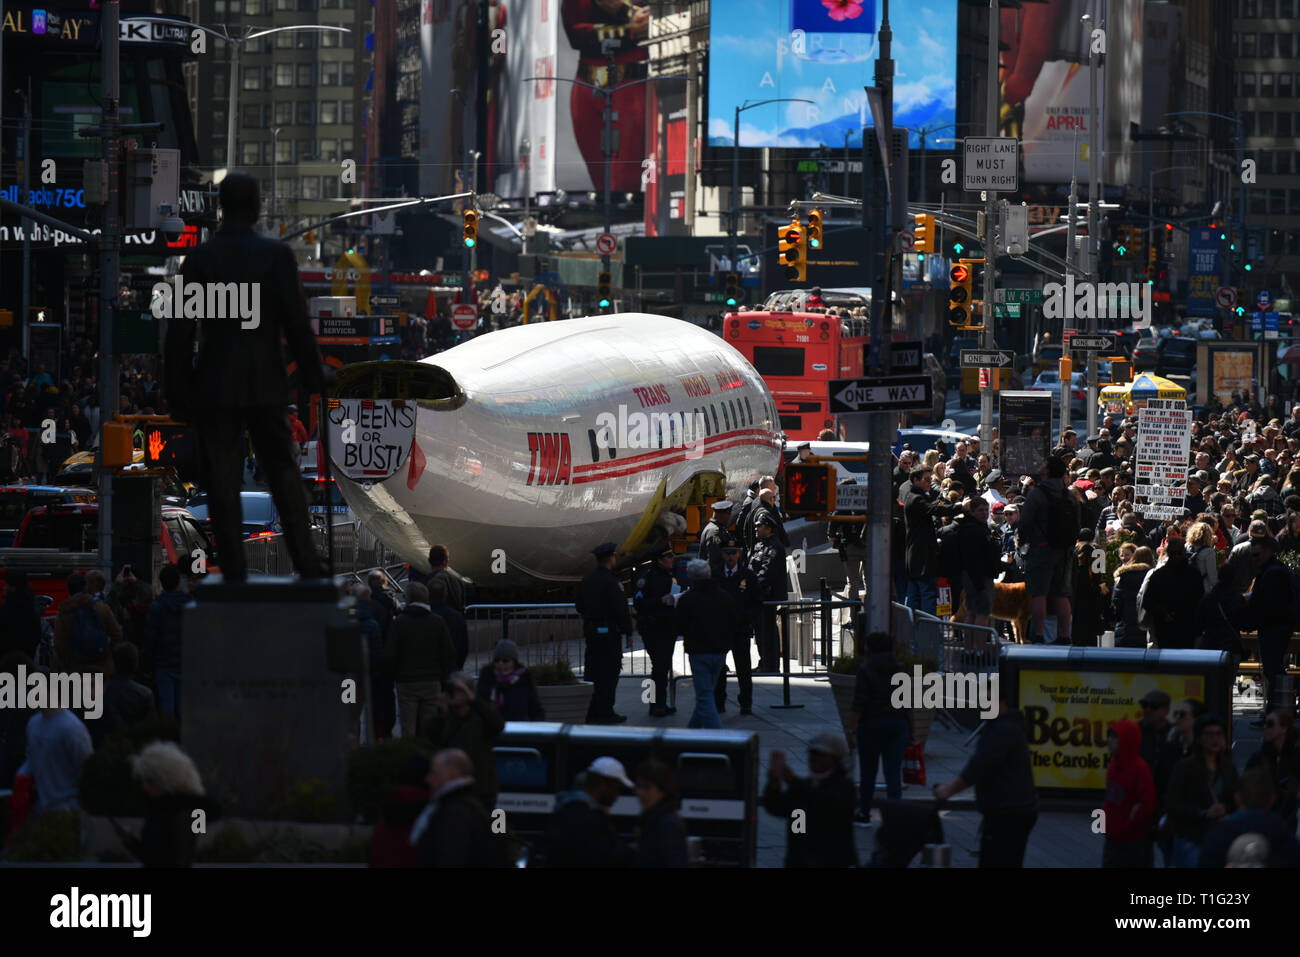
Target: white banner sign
[[371, 438], [1163, 442]]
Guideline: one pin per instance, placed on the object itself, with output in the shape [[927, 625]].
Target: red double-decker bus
[[797, 354]]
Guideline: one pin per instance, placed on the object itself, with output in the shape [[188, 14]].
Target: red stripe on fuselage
[[627, 467]]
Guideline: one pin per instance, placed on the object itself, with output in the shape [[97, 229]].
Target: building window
[[329, 40], [1285, 9], [329, 4], [329, 74], [347, 72], [218, 156], [250, 153], [1284, 127], [219, 83], [284, 74], [219, 8], [1264, 123], [349, 4], [1284, 85], [252, 78], [284, 41], [329, 150], [1252, 8], [305, 151], [305, 39], [329, 111], [303, 111], [284, 4], [345, 147], [1247, 41], [1268, 9], [1266, 45], [1284, 45], [348, 41], [283, 114], [1266, 84], [311, 187], [252, 116], [254, 8], [219, 121], [283, 150], [1248, 84], [305, 71], [345, 115]]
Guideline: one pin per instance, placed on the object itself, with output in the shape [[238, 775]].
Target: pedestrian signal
[[808, 489]]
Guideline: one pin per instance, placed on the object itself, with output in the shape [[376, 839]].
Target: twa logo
[[552, 459], [651, 430]]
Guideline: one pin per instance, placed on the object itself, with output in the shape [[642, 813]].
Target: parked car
[[1050, 381], [1176, 355], [1145, 354], [260, 515], [922, 440]]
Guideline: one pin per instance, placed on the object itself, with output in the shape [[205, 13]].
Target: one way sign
[[895, 393]]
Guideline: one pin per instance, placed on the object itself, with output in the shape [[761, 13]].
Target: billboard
[[1025, 428], [664, 176], [1045, 88], [825, 51], [1204, 267], [1067, 714], [560, 124], [448, 31]]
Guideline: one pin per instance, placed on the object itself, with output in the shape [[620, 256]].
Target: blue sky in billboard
[[825, 51]]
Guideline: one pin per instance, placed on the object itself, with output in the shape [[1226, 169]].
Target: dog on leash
[[1010, 603]]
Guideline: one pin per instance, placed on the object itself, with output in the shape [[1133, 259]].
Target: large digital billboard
[[534, 106], [825, 51]]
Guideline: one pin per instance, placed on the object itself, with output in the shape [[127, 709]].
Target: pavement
[[1062, 837]]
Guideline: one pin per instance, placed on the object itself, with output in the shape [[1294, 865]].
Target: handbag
[[914, 764]]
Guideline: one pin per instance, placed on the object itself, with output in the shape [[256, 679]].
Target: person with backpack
[[84, 630], [1271, 609], [1049, 525], [1168, 599]]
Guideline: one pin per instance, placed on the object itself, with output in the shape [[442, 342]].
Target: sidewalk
[[1063, 836]]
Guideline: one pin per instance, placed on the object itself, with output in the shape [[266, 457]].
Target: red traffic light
[[1169, 227], [959, 273], [792, 235]]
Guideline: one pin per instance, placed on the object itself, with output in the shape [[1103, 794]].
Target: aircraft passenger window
[[735, 413], [726, 420], [749, 411], [714, 410], [595, 450]]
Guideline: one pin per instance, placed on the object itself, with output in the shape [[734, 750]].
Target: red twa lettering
[[532, 465], [566, 460]]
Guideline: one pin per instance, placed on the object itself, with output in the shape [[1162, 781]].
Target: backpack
[[89, 639], [1063, 522], [949, 558]]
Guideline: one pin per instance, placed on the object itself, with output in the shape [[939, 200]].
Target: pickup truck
[[55, 541], [17, 500]]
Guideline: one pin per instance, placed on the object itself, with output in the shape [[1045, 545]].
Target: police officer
[[715, 534], [655, 608], [848, 541], [741, 584], [767, 562], [603, 608]]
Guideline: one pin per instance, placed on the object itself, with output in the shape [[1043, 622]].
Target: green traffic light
[[920, 257], [1223, 235], [1241, 310], [469, 242], [1248, 267], [1121, 250], [958, 248], [731, 300], [604, 303]]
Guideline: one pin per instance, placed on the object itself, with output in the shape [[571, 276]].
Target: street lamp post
[[275, 170], [734, 223]]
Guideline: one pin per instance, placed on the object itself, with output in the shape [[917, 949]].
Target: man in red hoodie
[[1130, 800]]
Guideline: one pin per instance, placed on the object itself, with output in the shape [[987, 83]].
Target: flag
[[417, 465]]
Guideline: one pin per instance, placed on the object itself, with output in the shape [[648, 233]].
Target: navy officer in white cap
[[714, 535]]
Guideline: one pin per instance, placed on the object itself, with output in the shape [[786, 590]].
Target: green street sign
[[806, 166], [1006, 311], [1018, 295]]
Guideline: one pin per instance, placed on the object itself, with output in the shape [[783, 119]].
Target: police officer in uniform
[[741, 584], [605, 618], [767, 562], [715, 535], [655, 610]]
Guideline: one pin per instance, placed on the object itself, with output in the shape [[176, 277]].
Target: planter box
[[566, 704]]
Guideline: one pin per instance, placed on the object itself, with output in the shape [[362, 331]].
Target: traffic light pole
[[881, 425], [988, 340]]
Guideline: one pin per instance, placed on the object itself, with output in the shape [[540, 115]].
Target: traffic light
[[815, 229], [808, 489], [923, 231], [603, 291], [169, 445], [960, 287], [732, 296], [1121, 370], [794, 255], [471, 228]]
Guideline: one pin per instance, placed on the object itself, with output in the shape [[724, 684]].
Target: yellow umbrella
[[1144, 386]]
